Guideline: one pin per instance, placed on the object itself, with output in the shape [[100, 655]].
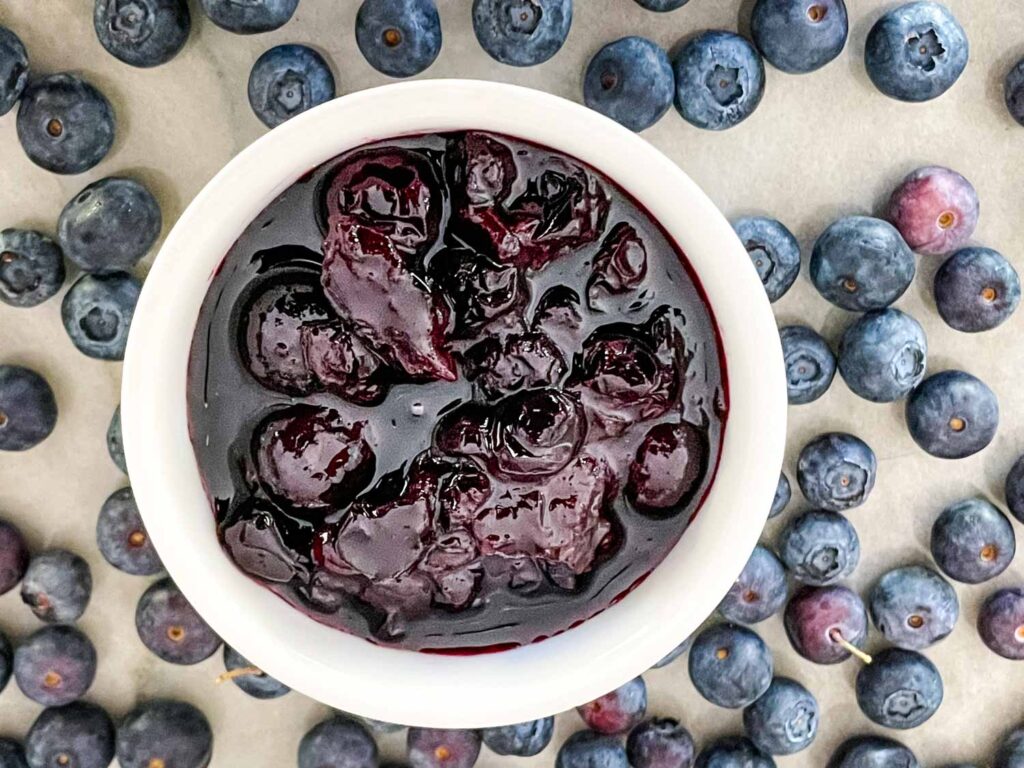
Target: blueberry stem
[[842, 642], [231, 674]]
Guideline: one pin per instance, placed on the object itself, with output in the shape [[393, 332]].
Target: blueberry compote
[[454, 392]]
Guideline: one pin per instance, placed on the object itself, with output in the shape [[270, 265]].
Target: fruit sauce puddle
[[501, 526]]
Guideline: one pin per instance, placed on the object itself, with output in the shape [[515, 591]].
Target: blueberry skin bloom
[[660, 743], [861, 263], [810, 364], [719, 80], [142, 33], [250, 16], [79, 734], [759, 592], [28, 409], [914, 607], [1013, 92], [31, 267], [1014, 491], [442, 747], [883, 355], [819, 547], [338, 740], [522, 32], [617, 711], [821, 621], [65, 124], [259, 684], [1011, 750], [976, 289], [97, 313], [288, 80], [1001, 623], [799, 36], [164, 732], [916, 52], [115, 445], [122, 538], [400, 38], [872, 752], [520, 740], [55, 665], [587, 749], [783, 721], [836, 471], [899, 689], [13, 69], [972, 541], [57, 586], [730, 666], [171, 628], [733, 752], [773, 250], [783, 493], [952, 415], [662, 5], [14, 557], [630, 81], [935, 209]]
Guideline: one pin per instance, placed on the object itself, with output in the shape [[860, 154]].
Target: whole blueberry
[[935, 209], [883, 355], [783, 493], [822, 621], [12, 755], [338, 741], [719, 80], [773, 250], [836, 471], [400, 38], [65, 124], [617, 711], [255, 682], [976, 289], [122, 538], [819, 547], [169, 626], [952, 414], [57, 586], [783, 721], [520, 740], [1014, 493], [810, 364], [28, 409], [522, 32], [115, 445], [916, 52], [587, 749], [861, 263], [899, 689], [733, 752], [972, 541], [914, 607], [381, 727], [660, 743], [55, 665], [798, 36], [14, 556], [143, 33], [1011, 750], [759, 592], [31, 267], [97, 313], [286, 81], [674, 654], [442, 748], [662, 5], [1013, 91], [78, 735], [872, 752], [6, 664], [13, 69], [164, 732], [730, 665], [250, 16], [630, 81], [1001, 623]]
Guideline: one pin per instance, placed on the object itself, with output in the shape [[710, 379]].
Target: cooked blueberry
[[617, 711], [31, 266], [783, 721], [660, 742], [522, 32], [523, 361], [822, 622], [77, 735], [759, 592], [796, 36], [169, 626], [164, 732], [719, 80], [674, 654], [6, 666], [480, 290], [13, 69], [810, 364], [972, 541], [97, 313], [441, 748], [342, 363], [860, 263], [630, 81], [55, 665], [935, 209], [773, 250], [836, 471], [783, 493], [882, 355], [65, 124], [662, 5], [1013, 92], [28, 409], [12, 755], [976, 289], [730, 665], [669, 464], [520, 740], [57, 586], [819, 547], [587, 749], [1011, 750], [249, 16], [115, 445], [899, 689], [14, 556], [122, 538], [733, 752], [952, 414], [143, 33], [872, 752], [537, 433], [1001, 623], [914, 607], [916, 52], [400, 38], [1014, 494], [338, 740], [250, 679], [287, 80]]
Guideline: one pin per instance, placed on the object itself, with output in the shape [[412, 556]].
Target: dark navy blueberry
[[12, 755], [400, 38], [773, 250], [13, 69], [97, 313], [78, 735], [616, 711], [952, 414], [733, 752], [57, 586], [6, 664], [630, 81], [1001, 623], [819, 547], [164, 732], [587, 749], [872, 752], [810, 364], [783, 721], [759, 592], [1013, 91], [247, 17], [914, 607], [256, 683], [719, 80], [674, 654], [976, 289], [122, 538], [1011, 750], [783, 493], [823, 622], [28, 409], [1014, 493], [899, 689], [13, 556], [662, 5], [55, 665], [730, 665], [836, 471], [522, 32], [442, 748], [520, 740], [916, 52], [861, 263], [65, 124], [169, 626], [115, 445], [660, 742], [883, 355], [31, 267], [286, 81], [972, 541], [339, 740], [798, 36], [143, 33]]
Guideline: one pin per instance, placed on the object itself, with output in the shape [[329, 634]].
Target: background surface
[[819, 146]]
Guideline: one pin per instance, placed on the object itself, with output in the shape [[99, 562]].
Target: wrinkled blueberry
[[57, 586], [13, 69], [619, 267], [630, 81], [1011, 750], [783, 493], [77, 735], [952, 415], [339, 740], [819, 547], [674, 654], [976, 289], [28, 409], [1001, 623], [617, 711], [246, 17], [558, 316], [1013, 92], [972, 541], [820, 621], [440, 748], [537, 433], [660, 742], [914, 607], [759, 592], [400, 38], [836, 471], [55, 665], [31, 267], [719, 80], [97, 313], [899, 689], [523, 361], [783, 721], [668, 467], [872, 752], [520, 740], [254, 682], [115, 445], [122, 538], [522, 32], [339, 360], [286, 80], [12, 755], [169, 626], [143, 33], [935, 209], [733, 752], [730, 665], [810, 364], [1014, 494], [479, 290], [587, 749], [773, 250], [164, 732], [883, 355], [798, 37], [14, 556]]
